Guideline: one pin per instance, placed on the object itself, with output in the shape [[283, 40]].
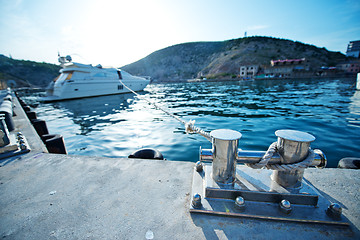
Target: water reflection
[[88, 112]]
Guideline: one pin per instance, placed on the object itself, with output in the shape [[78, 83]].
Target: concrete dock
[[55, 196]]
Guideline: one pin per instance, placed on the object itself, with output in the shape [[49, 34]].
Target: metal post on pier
[[225, 146], [293, 146]]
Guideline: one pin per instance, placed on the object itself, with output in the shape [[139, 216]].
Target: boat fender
[[147, 153], [26, 108], [54, 143], [349, 163], [31, 115], [40, 127], [22, 103]]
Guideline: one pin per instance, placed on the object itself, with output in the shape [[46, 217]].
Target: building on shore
[[248, 72], [353, 49], [286, 68], [351, 67]]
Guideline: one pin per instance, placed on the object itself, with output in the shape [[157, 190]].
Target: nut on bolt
[[240, 203], [199, 166], [196, 202], [334, 211], [285, 206], [20, 135], [23, 146]]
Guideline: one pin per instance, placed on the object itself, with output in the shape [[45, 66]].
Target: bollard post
[[293, 146], [225, 147]]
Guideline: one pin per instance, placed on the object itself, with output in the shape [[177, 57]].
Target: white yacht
[[78, 80]]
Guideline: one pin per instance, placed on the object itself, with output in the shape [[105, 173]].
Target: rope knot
[[265, 159], [263, 163], [189, 126]]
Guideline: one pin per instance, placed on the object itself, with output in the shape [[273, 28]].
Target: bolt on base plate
[[261, 198]]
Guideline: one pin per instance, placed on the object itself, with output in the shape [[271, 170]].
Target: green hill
[[26, 73], [221, 59]]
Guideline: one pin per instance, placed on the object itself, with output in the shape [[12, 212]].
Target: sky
[[119, 32]]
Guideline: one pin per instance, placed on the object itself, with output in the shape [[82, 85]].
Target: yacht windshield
[[119, 73]]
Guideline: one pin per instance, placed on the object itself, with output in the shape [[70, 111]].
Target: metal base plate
[[262, 197], [14, 148]]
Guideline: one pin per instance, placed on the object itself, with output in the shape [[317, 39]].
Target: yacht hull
[[75, 90]]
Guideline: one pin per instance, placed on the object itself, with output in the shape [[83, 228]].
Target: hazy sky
[[119, 32]]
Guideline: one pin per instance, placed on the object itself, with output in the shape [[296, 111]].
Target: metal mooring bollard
[[293, 146], [225, 146]]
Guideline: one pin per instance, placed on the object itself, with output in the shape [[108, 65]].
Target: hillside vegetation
[[27, 73], [221, 59]]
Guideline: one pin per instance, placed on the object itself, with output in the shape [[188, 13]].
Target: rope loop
[[293, 166], [263, 163], [265, 159], [191, 128]]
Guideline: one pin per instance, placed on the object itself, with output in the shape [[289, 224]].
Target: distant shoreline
[[239, 79]]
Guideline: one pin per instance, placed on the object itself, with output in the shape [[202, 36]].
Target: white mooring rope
[[191, 128], [281, 167]]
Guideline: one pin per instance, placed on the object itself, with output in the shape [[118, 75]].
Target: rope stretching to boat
[[191, 128]]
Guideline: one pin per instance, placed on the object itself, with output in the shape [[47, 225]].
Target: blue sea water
[[117, 125]]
